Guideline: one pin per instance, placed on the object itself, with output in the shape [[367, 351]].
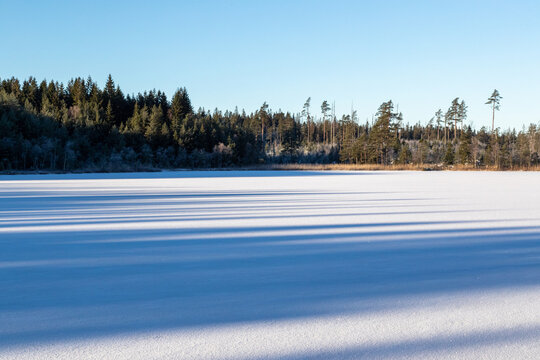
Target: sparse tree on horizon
[[495, 101], [305, 113], [325, 108], [439, 120]]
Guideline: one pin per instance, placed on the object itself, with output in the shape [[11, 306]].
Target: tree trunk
[[308, 130], [493, 120], [445, 132], [262, 134]]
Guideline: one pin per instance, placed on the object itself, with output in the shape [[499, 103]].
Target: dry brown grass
[[358, 167], [395, 167]]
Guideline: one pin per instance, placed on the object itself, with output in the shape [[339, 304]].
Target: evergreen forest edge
[[79, 126]]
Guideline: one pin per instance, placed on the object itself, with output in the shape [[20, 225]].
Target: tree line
[[80, 126]]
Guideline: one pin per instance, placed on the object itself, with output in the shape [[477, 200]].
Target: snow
[[270, 265]]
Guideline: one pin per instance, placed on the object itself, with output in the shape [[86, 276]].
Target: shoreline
[[289, 167]]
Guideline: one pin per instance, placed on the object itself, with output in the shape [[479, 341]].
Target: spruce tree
[[380, 135], [179, 110], [136, 123], [464, 150], [154, 128], [180, 105], [449, 156], [405, 154], [110, 88], [109, 114]]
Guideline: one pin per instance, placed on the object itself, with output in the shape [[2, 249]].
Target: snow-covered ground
[[270, 265]]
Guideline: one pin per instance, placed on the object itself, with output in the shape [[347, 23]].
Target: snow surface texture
[[270, 265]]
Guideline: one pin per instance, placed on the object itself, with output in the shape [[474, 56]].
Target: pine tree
[[264, 117], [325, 108], [494, 100], [452, 115], [439, 120], [457, 113], [462, 112], [305, 113]]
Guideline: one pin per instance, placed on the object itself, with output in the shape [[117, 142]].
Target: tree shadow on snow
[[59, 285], [186, 174]]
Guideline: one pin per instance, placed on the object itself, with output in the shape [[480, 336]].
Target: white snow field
[[270, 265]]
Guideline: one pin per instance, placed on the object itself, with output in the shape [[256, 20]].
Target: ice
[[270, 265]]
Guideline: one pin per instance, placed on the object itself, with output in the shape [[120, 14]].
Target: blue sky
[[420, 54]]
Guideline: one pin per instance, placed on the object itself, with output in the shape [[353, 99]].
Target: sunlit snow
[[270, 265]]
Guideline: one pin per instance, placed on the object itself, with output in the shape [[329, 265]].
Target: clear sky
[[420, 54]]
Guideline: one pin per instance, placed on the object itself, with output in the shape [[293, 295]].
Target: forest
[[82, 127]]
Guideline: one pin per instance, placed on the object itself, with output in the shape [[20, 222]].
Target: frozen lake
[[270, 265]]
